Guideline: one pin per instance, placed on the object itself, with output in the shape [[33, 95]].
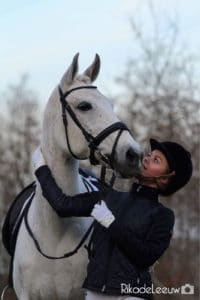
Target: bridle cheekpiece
[[93, 142]]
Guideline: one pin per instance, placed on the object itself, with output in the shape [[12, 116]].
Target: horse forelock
[[83, 79]]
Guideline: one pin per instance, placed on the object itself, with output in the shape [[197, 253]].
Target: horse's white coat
[[36, 277]]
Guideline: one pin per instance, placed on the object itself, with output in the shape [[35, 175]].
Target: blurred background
[[150, 71]]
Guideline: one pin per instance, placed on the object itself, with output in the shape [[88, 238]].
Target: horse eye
[[84, 106]]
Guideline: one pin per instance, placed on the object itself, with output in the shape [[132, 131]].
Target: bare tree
[[160, 81], [19, 137]]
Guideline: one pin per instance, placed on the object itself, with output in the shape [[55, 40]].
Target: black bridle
[[93, 142]]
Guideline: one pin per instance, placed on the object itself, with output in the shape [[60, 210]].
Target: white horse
[[36, 277]]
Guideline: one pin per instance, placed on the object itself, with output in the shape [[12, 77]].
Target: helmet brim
[[155, 145]]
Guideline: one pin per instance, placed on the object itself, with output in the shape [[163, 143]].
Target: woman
[[132, 229]]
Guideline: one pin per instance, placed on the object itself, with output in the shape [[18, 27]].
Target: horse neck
[[42, 218], [64, 170]]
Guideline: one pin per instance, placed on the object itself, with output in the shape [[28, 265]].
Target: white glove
[[102, 214], [38, 159]]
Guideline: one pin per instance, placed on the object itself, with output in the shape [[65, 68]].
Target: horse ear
[[93, 71], [69, 75]]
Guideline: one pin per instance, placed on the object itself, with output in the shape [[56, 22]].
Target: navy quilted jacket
[[122, 254]]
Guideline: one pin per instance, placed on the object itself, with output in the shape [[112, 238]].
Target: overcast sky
[[41, 37]]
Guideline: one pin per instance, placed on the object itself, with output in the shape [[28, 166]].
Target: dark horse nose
[[132, 157]]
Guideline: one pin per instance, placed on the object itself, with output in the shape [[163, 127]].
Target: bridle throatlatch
[[93, 142]]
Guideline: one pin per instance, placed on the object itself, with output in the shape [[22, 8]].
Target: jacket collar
[[145, 191]]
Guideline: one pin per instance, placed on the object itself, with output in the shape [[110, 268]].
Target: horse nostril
[[132, 156]]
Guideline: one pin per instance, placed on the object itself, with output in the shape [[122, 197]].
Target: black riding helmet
[[179, 160]]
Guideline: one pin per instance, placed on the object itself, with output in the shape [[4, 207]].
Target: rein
[[65, 255]]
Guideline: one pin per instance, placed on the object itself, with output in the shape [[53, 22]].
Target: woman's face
[[154, 164]]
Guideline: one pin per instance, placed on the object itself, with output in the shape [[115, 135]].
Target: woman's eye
[[84, 106]]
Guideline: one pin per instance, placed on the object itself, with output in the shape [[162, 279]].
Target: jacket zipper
[[138, 276], [103, 288], [107, 267]]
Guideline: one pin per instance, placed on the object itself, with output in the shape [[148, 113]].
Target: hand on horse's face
[[38, 159]]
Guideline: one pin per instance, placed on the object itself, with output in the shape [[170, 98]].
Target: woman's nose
[[145, 159]]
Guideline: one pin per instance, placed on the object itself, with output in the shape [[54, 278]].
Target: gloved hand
[[38, 159], [102, 214]]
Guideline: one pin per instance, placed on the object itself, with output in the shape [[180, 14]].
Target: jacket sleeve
[[65, 206], [144, 252]]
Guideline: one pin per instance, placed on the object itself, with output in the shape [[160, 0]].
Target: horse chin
[[129, 174], [123, 171], [127, 171]]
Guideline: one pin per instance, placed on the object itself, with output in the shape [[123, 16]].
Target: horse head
[[79, 123]]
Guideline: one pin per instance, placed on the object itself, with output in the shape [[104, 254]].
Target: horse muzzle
[[128, 162]]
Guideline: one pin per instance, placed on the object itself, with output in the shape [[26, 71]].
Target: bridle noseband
[[93, 142]]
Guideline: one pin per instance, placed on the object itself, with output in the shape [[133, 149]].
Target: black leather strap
[[93, 142], [65, 255]]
